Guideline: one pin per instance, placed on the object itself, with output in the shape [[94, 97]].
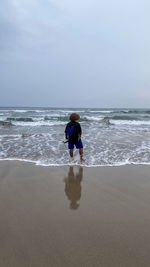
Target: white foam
[[70, 111], [128, 122], [55, 115], [21, 110], [4, 118], [92, 118], [101, 111], [41, 163], [38, 123]]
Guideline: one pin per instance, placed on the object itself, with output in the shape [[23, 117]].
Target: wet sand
[[64, 216]]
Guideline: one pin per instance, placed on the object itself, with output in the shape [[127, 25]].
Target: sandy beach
[[74, 216]]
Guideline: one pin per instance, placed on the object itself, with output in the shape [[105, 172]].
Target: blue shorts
[[78, 145]]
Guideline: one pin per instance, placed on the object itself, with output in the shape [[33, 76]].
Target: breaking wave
[[20, 119]]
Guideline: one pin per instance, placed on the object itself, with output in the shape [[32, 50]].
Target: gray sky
[[73, 53]]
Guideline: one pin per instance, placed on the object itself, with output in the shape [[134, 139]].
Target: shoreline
[[74, 215], [75, 164]]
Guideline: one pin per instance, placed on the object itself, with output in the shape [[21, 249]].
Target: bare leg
[[71, 153], [81, 153]]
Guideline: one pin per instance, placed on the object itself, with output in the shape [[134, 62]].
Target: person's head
[[74, 117]]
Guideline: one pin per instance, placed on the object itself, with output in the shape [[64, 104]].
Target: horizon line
[[74, 107]]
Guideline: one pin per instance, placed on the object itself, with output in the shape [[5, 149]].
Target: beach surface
[[74, 216]]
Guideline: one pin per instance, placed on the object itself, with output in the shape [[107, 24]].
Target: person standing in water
[[73, 134]]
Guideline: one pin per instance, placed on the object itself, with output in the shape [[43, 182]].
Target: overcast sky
[[75, 53]]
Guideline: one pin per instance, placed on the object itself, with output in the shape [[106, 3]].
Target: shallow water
[[111, 137]]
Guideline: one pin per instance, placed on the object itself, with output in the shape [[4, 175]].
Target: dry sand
[[66, 216]]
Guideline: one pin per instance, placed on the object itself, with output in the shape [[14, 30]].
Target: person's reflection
[[73, 187]]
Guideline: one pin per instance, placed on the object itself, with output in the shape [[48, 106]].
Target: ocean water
[[111, 137]]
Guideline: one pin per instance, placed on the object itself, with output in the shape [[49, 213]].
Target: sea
[[111, 137]]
